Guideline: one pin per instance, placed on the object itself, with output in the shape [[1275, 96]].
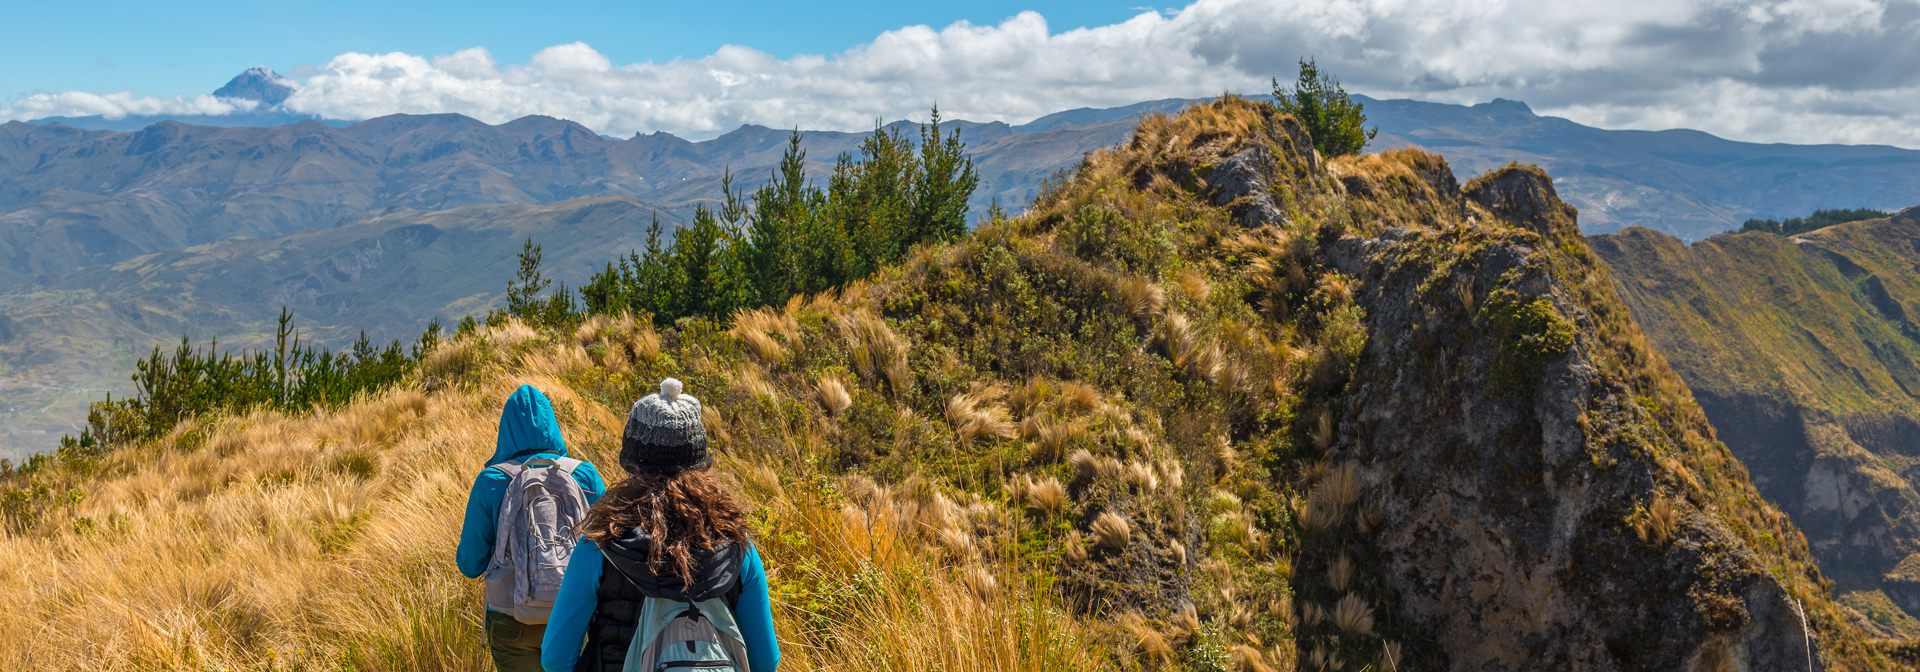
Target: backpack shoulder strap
[[511, 468]]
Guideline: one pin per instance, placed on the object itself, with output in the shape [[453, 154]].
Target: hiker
[[520, 527], [664, 578]]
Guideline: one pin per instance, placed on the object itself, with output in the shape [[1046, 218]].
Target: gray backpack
[[534, 541], [673, 636]]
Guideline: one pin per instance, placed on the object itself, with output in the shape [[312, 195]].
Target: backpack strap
[[511, 469], [516, 462]]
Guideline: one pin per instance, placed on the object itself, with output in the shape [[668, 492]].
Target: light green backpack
[[675, 636]]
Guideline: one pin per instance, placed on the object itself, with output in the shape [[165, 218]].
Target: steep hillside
[[76, 336], [1803, 352], [1209, 405]]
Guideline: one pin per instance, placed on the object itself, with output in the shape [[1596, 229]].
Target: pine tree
[[783, 210], [651, 278], [946, 180], [730, 267], [877, 199], [1336, 123], [526, 284]]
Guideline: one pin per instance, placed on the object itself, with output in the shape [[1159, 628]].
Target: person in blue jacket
[[527, 430], [668, 531]]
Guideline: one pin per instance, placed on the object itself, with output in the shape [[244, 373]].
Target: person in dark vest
[[528, 431], [669, 532]]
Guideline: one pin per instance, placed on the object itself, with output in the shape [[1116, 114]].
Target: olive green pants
[[515, 645]]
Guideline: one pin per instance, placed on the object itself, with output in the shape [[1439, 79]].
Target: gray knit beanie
[[664, 433]]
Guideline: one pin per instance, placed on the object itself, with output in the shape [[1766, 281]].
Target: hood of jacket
[[716, 571], [527, 423]]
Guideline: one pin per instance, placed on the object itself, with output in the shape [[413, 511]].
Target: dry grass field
[[265, 542]]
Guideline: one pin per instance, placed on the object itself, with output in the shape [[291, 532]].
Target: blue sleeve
[[755, 615], [579, 596], [589, 478], [483, 512]]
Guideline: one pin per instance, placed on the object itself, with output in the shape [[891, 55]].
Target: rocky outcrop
[[1552, 498], [1248, 181]]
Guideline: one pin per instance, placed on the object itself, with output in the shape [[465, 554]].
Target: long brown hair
[[682, 513]]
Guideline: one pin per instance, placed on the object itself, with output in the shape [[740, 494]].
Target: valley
[[1802, 350]]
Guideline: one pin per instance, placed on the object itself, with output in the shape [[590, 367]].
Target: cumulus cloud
[[1764, 70]]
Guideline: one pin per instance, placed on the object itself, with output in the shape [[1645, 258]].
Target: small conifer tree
[[790, 237], [1336, 123]]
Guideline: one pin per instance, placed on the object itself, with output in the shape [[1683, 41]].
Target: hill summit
[[259, 84]]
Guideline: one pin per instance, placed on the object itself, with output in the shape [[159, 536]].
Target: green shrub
[[1336, 123]]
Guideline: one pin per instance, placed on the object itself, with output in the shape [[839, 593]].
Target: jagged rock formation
[[1803, 353], [1552, 498]]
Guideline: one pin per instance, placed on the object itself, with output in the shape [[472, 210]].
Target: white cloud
[[1764, 70], [117, 105]]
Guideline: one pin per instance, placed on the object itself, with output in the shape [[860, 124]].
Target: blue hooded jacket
[[527, 429]]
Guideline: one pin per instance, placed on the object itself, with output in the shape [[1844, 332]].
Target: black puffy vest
[[626, 582]]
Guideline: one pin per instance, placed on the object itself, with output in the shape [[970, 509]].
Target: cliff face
[[1553, 498], [1803, 352]]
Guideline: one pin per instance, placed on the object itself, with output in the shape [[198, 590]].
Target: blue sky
[[1801, 71], [158, 49]]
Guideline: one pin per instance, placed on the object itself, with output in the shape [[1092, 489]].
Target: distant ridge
[[1685, 183]]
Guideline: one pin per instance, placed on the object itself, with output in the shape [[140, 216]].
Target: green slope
[[1803, 352]]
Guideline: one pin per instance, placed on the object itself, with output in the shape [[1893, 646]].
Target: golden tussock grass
[[1311, 614], [758, 326], [1657, 522], [1074, 548], [1332, 498], [1112, 531], [879, 354], [1250, 659], [1085, 466], [617, 343], [326, 541], [1051, 435], [976, 414], [1148, 643], [1029, 396], [1187, 350], [1046, 495], [1142, 298], [832, 392], [1352, 614], [864, 592], [1186, 621], [1339, 572]]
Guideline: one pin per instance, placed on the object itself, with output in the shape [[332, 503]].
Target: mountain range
[[117, 241]]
